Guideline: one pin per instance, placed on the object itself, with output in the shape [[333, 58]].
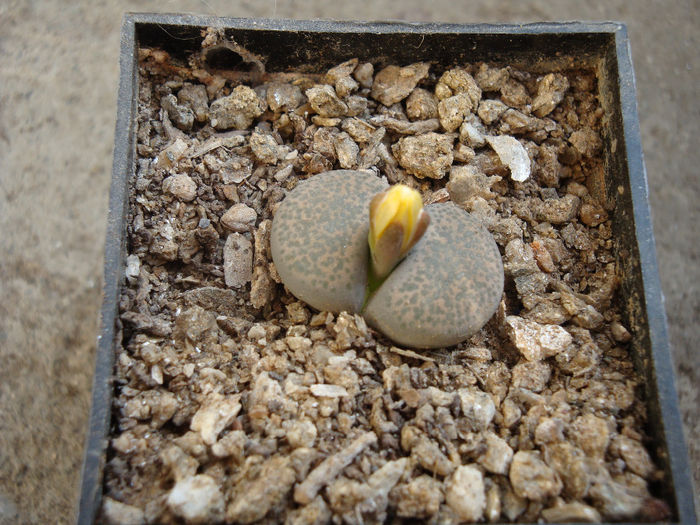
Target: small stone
[[283, 174], [234, 171], [421, 104], [478, 408], [180, 464], [197, 499], [231, 445], [378, 486], [357, 105], [361, 131], [535, 341], [315, 513], [237, 110], [592, 214], [532, 478], [458, 81], [298, 343], [549, 430], [558, 210], [498, 454], [579, 359], [341, 71], [115, 513], [471, 135], [324, 101], [256, 332], [491, 110], [302, 434], [330, 467], [323, 390], [419, 498], [133, 266], [254, 498], [405, 127], [635, 455], [325, 122], [283, 97], [215, 414], [573, 512], [542, 256], [512, 505], [429, 456], [591, 434], [428, 155], [364, 74], [615, 501], [514, 93], [586, 141], [392, 84], [550, 92], [181, 115], [238, 260], [466, 183], [519, 259], [465, 494], [265, 147], [463, 153], [513, 155], [575, 236], [170, 156], [267, 395], [491, 78], [511, 413], [452, 111], [514, 122], [533, 376], [572, 466], [620, 333], [346, 85], [346, 150], [239, 218], [195, 96], [180, 186], [549, 170]]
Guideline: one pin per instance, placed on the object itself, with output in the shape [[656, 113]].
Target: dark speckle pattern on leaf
[[319, 239]]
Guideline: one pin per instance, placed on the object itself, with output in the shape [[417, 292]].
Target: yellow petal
[[398, 209]]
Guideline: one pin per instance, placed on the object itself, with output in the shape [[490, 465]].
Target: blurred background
[[58, 87]]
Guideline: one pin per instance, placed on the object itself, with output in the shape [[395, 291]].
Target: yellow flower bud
[[397, 221]]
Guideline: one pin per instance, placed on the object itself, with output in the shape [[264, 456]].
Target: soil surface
[[57, 107], [236, 401]]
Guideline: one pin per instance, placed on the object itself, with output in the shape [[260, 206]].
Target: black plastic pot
[[318, 45]]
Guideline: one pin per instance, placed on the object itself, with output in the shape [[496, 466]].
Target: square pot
[[602, 47]]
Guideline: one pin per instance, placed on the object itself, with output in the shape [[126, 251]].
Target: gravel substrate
[[238, 403]]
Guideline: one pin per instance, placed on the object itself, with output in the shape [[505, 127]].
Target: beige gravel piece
[[306, 491], [464, 493], [215, 414]]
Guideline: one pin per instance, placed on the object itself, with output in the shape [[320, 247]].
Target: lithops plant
[[424, 292]]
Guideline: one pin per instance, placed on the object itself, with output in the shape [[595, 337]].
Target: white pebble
[[465, 494], [180, 186], [197, 499], [322, 390], [513, 155], [238, 260]]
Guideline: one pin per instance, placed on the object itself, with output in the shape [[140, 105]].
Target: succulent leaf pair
[[343, 240]]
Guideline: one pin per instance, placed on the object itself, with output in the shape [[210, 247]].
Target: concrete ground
[[58, 86]]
